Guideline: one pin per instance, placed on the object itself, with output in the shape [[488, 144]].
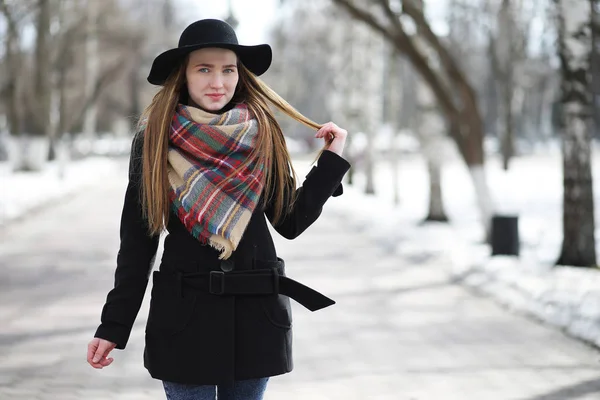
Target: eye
[[203, 69], [229, 70]]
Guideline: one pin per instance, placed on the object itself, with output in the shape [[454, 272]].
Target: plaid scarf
[[204, 150]]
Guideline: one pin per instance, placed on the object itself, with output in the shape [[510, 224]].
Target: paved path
[[400, 329]]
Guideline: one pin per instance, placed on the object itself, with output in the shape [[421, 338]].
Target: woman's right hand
[[98, 351]]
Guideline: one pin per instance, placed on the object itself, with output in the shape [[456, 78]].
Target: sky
[[254, 16]]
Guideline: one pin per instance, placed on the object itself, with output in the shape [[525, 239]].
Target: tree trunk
[[393, 87], [92, 61], [42, 93], [596, 68], [507, 147], [455, 96], [34, 145], [13, 65], [504, 59], [575, 47], [369, 167], [473, 155], [350, 176], [370, 98], [134, 90], [436, 203], [430, 134]]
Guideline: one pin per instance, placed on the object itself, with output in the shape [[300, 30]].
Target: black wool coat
[[196, 337]]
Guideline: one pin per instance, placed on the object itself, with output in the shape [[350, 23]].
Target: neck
[[225, 108]]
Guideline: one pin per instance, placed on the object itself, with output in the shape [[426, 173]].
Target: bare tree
[[92, 65], [596, 67], [430, 134], [13, 14], [393, 88], [453, 92], [123, 37], [573, 19], [507, 52], [36, 102], [301, 73], [41, 96], [368, 65]]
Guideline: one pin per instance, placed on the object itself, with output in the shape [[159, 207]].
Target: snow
[[23, 192], [566, 297]]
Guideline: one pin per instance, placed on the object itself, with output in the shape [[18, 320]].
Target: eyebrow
[[212, 66]]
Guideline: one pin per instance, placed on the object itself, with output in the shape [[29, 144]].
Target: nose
[[216, 81]]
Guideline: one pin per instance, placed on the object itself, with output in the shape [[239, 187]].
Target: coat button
[[227, 265]]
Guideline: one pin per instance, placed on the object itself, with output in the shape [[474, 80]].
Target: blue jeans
[[251, 389]]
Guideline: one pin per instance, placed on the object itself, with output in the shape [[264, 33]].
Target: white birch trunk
[[395, 105], [430, 134], [483, 196], [371, 72], [506, 55], [575, 47], [92, 61]]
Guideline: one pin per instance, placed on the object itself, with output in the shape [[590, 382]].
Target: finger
[[106, 362], [328, 127], [91, 351], [101, 352], [96, 365], [334, 128], [339, 132], [103, 362]]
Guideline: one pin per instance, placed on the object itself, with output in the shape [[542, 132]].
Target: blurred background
[[473, 124]]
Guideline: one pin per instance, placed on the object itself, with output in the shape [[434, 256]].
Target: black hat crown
[[209, 31]]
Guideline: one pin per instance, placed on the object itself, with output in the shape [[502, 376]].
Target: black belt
[[255, 282]]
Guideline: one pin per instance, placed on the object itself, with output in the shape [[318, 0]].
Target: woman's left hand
[[334, 136]]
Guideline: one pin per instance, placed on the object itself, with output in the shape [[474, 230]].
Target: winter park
[[461, 252]]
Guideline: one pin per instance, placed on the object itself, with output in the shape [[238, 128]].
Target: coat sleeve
[[134, 260], [323, 181]]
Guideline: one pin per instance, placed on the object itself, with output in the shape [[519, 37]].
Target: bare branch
[[445, 96], [423, 27], [111, 72], [404, 44], [365, 17], [457, 78], [385, 6]]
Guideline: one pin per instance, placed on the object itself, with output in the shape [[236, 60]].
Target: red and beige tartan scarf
[[204, 150]]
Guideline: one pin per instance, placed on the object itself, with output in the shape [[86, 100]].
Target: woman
[[208, 165]]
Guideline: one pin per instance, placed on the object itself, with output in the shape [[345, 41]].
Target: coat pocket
[[278, 310], [277, 307], [170, 312]]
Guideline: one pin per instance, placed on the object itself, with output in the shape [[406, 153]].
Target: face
[[212, 77]]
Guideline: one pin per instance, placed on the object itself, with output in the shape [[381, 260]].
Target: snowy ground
[[566, 297], [532, 188], [23, 192]]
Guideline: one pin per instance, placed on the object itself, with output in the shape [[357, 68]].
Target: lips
[[215, 96]]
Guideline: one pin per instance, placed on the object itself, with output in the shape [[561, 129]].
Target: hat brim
[[256, 58]]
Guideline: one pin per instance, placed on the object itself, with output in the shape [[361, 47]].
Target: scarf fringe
[[228, 246]]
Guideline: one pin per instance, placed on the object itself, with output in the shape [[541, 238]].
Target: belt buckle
[[221, 285]]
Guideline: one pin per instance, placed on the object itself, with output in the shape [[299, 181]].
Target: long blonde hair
[[279, 179]]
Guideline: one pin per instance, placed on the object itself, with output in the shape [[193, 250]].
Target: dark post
[[505, 235]]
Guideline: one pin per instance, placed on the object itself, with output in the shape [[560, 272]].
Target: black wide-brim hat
[[209, 33]]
